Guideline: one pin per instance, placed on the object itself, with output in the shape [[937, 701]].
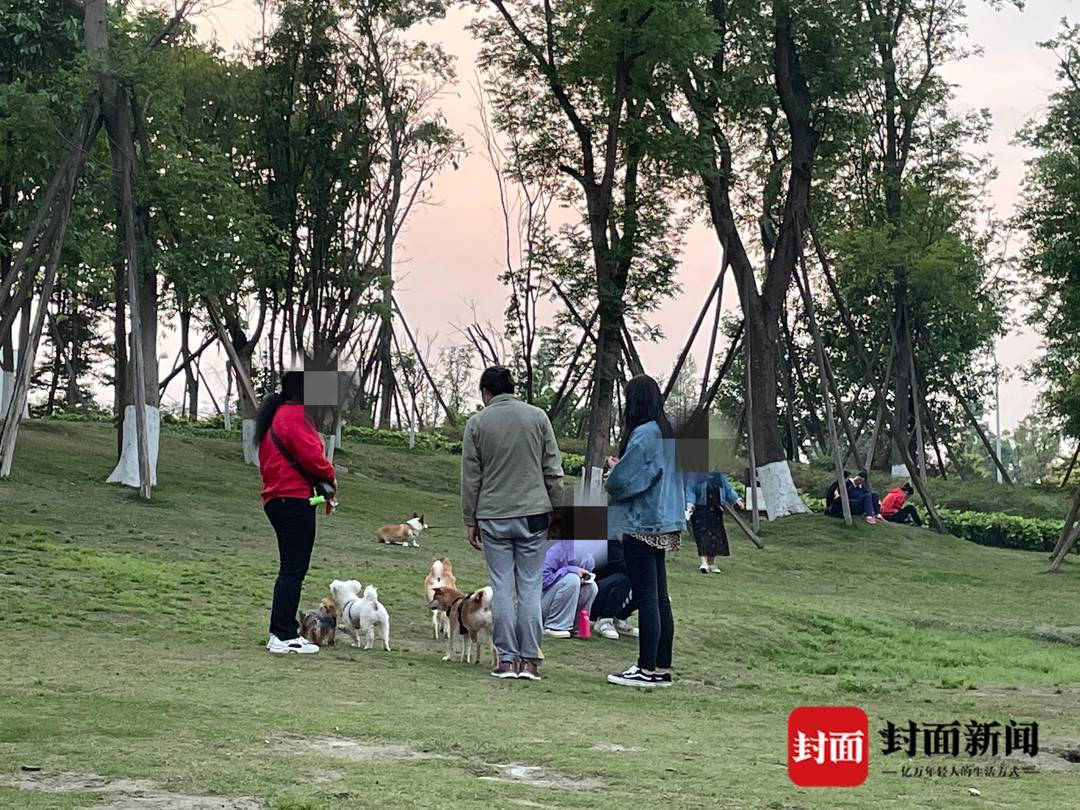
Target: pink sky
[[459, 239]]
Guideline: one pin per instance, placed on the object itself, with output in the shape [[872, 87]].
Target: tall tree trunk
[[116, 109], [191, 384], [121, 383]]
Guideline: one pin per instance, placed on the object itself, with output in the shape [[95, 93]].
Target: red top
[[280, 478], [892, 502]]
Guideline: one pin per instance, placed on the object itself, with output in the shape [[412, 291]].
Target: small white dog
[[361, 613], [346, 594], [373, 616]]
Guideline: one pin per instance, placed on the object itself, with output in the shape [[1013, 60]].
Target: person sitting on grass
[[833, 505], [569, 588], [894, 510], [863, 501]]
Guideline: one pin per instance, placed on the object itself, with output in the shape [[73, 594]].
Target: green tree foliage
[[1050, 216], [570, 85]]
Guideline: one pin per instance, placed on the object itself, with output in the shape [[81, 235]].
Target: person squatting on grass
[[569, 588], [706, 494], [645, 509], [614, 603], [511, 483], [290, 458]]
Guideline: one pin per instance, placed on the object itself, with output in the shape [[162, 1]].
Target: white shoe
[[624, 628], [606, 628], [298, 645], [556, 633], [713, 569]]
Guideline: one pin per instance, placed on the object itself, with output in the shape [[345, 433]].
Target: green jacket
[[510, 462]]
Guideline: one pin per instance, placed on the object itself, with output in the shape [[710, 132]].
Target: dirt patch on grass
[[1055, 754], [343, 748], [614, 748], [352, 750], [535, 776], [126, 794]]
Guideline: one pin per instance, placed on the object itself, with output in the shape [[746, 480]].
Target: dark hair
[[643, 403], [292, 390], [497, 380], [847, 474], [863, 474], [907, 488]]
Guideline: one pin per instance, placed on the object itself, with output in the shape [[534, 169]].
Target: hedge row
[[990, 528], [1003, 531], [572, 462]]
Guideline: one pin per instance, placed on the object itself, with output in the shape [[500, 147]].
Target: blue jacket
[[697, 488], [645, 490]]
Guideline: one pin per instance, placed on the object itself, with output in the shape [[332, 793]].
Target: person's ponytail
[[265, 417]]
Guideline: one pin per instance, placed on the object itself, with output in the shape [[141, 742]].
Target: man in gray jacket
[[511, 483]]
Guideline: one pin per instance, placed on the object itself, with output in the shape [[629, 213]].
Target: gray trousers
[[515, 560], [565, 599]]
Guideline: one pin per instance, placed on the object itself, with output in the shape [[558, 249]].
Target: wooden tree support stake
[[1067, 527], [819, 350], [420, 360], [1072, 464], [742, 525], [243, 382]]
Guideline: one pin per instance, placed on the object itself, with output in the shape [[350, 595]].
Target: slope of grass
[[133, 633], [975, 494]]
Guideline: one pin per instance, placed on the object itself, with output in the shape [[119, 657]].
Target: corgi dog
[[441, 575], [319, 626], [470, 622], [374, 618], [403, 534]]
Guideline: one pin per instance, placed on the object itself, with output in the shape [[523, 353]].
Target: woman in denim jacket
[[645, 509], [706, 495]]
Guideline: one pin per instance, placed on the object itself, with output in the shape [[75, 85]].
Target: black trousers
[[647, 567], [293, 520], [614, 597], [907, 514]]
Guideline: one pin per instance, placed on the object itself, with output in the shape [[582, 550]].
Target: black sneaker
[[663, 679], [634, 677]]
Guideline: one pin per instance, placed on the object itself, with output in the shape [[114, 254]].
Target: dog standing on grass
[[441, 575], [374, 619], [470, 622]]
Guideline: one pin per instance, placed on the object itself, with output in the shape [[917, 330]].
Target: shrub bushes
[[1003, 531], [989, 528], [572, 462]]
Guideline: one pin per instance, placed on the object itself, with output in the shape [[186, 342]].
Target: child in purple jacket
[[569, 588]]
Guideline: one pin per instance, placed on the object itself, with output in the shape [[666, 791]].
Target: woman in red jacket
[[290, 458]]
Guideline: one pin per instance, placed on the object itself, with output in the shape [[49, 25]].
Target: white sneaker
[[294, 645], [624, 628], [606, 628], [556, 633]]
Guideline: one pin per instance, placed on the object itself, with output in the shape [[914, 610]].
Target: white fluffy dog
[[373, 616], [346, 594], [361, 613]]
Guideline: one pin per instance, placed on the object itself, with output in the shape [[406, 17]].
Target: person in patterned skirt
[[706, 495]]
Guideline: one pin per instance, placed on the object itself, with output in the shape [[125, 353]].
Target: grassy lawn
[[132, 650]]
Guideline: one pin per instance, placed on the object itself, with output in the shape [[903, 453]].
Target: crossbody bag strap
[[289, 457]]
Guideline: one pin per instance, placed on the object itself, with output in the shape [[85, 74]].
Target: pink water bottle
[[584, 628]]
